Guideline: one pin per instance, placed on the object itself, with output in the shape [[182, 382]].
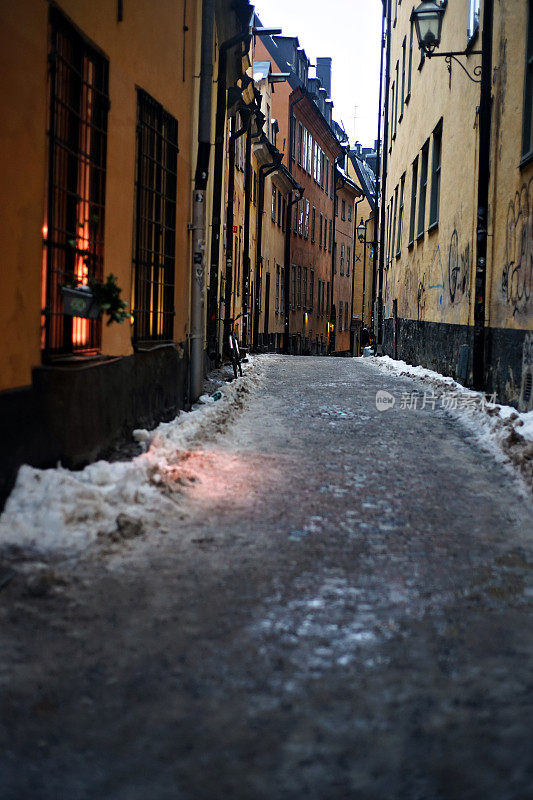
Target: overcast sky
[[349, 31]]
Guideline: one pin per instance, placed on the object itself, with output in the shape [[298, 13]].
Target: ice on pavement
[[502, 428], [64, 510]]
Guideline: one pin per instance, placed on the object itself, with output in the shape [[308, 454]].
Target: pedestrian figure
[[365, 337]]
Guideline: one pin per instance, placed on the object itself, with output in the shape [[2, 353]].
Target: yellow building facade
[[430, 202]]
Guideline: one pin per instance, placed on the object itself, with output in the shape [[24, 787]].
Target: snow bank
[[501, 427], [62, 510]]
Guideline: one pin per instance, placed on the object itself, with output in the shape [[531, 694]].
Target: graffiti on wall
[[517, 272], [458, 268]]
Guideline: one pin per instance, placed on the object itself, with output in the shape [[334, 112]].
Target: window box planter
[[79, 303]]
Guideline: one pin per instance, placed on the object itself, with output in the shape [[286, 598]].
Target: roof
[[366, 178], [261, 70]]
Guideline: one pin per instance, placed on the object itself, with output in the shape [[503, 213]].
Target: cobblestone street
[[341, 608]]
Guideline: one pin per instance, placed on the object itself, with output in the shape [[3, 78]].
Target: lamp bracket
[[453, 54]]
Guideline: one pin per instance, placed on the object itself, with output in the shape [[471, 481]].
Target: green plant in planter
[[107, 297]]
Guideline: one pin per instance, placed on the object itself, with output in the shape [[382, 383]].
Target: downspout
[[229, 229], [364, 275], [381, 192], [246, 244], [196, 335], [288, 230], [264, 171], [478, 353], [218, 167]]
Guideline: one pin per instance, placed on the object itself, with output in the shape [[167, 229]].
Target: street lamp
[[361, 231], [428, 25], [427, 20]]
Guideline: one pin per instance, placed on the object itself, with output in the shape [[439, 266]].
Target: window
[[313, 224], [393, 132], [293, 137], [305, 288], [332, 183], [335, 259], [423, 187], [435, 176], [279, 208], [306, 223], [76, 175], [282, 291], [400, 217], [327, 299], [342, 260], [310, 155], [527, 122], [410, 68], [273, 207], [311, 289], [346, 315], [304, 158], [155, 223], [301, 217], [327, 176], [389, 225], [322, 162], [336, 206], [254, 188], [339, 324], [473, 18], [299, 287], [300, 143], [320, 231], [402, 96], [330, 235], [396, 99], [277, 288], [349, 212], [343, 209], [394, 214], [293, 287], [348, 259], [283, 213], [414, 182]]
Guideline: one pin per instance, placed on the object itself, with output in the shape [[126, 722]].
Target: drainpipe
[[478, 353], [246, 233], [381, 192], [264, 171], [196, 335], [229, 227], [288, 229]]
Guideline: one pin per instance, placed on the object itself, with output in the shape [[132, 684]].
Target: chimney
[[323, 72]]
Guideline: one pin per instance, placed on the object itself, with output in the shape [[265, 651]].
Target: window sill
[[400, 118], [397, 255], [407, 98], [411, 244], [433, 226], [526, 160], [420, 235]]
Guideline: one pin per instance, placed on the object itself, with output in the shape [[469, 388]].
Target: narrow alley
[[338, 607]]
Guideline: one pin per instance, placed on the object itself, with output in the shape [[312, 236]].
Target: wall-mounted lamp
[[427, 20]]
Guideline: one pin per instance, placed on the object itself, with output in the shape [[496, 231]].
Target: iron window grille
[[155, 221], [527, 120], [73, 230], [423, 189], [435, 176]]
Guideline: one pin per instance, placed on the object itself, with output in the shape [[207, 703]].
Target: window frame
[[436, 166], [422, 190]]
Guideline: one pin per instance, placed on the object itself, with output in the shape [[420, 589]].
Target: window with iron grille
[[155, 221], [77, 140], [527, 118]]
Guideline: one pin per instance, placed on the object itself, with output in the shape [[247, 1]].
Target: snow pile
[[494, 424], [62, 510]]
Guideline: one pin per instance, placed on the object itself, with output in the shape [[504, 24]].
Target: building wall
[[342, 291], [432, 279], [145, 50]]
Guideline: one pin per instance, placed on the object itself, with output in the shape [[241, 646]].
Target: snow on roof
[[262, 70]]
